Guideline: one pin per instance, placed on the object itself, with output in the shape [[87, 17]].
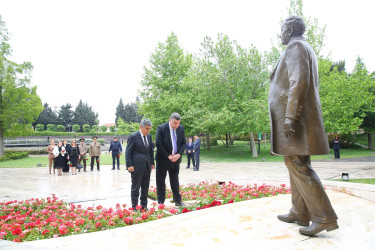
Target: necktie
[[145, 140], [174, 141]]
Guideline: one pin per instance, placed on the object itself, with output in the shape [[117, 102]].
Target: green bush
[[39, 127], [13, 156], [76, 128], [346, 141], [61, 128], [103, 128], [51, 127], [86, 128], [95, 128], [33, 151], [112, 128]]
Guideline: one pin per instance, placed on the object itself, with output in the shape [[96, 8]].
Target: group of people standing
[[64, 156]]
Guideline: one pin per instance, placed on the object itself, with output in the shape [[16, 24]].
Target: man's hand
[[189, 151], [289, 127], [174, 158], [131, 169], [152, 167]]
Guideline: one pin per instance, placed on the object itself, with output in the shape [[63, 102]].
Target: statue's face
[[285, 34]]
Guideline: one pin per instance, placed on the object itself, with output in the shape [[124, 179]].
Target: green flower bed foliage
[[13, 156]]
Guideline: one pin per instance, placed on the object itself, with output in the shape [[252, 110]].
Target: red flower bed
[[36, 219]]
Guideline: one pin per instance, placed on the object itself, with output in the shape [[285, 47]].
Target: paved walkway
[[248, 224]]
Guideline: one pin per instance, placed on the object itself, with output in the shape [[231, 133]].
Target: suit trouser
[[190, 156], [140, 181], [97, 162], [161, 173], [337, 153], [309, 199], [196, 154], [114, 158]]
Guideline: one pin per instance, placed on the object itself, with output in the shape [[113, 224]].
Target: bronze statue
[[297, 129]]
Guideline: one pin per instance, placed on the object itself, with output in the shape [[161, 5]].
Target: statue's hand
[[289, 127]]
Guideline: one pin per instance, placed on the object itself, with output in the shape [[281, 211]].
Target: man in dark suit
[[297, 129], [170, 144], [197, 151], [189, 152], [139, 162]]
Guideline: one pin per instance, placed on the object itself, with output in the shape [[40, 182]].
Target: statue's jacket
[[294, 93]]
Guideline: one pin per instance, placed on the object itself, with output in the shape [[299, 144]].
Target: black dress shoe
[[187, 167], [113, 169], [118, 168], [291, 218], [180, 204], [316, 228]]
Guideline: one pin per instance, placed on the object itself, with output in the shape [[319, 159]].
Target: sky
[[97, 50]]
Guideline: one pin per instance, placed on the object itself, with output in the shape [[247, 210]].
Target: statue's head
[[293, 26]]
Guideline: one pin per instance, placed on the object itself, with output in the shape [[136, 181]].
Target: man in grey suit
[[139, 162], [297, 129], [170, 144]]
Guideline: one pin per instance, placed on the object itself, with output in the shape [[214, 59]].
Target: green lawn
[[363, 181], [362, 139], [239, 152]]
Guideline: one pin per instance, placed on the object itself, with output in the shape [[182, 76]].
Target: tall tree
[[231, 89], [65, 115], [19, 103], [120, 111], [361, 73], [84, 114], [162, 92], [130, 113], [344, 97], [48, 116]]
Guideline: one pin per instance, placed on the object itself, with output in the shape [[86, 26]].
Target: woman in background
[[51, 158], [59, 153], [73, 156]]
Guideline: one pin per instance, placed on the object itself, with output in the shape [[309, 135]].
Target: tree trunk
[[231, 139], [1, 141], [369, 140], [208, 145], [253, 147], [226, 139]]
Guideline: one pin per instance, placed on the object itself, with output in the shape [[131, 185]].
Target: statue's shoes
[[290, 218], [316, 228]]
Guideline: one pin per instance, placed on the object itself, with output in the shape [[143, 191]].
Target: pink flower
[[161, 206], [172, 210]]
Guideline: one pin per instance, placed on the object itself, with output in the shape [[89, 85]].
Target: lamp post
[[116, 128]]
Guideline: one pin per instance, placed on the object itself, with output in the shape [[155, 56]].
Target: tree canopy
[[19, 103]]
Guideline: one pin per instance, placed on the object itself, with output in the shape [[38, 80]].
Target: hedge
[[13, 156]]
